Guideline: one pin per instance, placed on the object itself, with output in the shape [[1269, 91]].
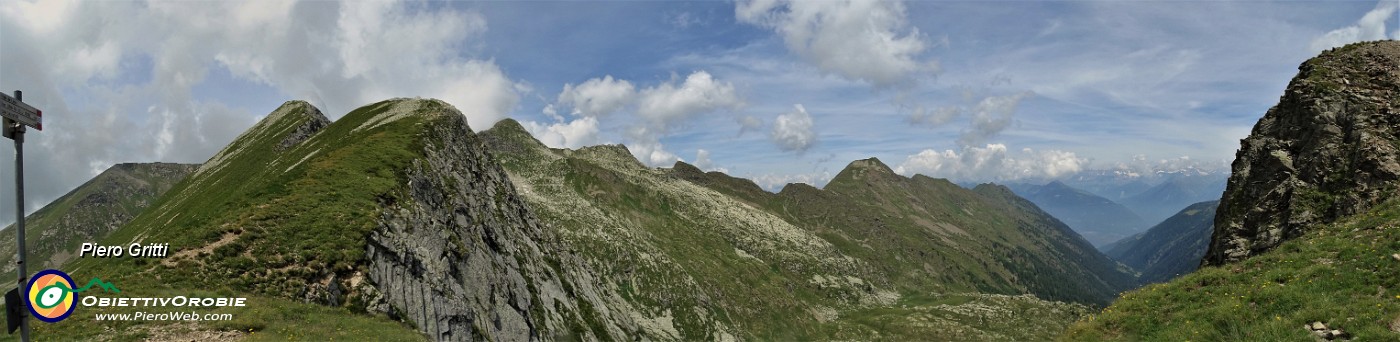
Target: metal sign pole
[[18, 135], [18, 115]]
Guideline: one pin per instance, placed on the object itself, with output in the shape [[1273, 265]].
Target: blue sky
[[776, 91]]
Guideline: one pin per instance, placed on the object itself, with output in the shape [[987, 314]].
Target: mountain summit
[[1329, 149]]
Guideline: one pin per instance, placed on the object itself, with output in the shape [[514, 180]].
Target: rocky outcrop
[[1329, 149], [462, 258], [314, 124]]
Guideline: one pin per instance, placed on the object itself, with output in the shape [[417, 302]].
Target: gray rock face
[[462, 258], [316, 122], [1329, 149]]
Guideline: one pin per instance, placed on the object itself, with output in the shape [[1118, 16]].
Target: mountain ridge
[[1297, 246], [1329, 149], [1171, 248]]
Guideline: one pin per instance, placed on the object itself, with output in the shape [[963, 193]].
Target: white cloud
[[865, 40], [774, 182], [343, 55], [75, 61], [667, 103], [991, 116], [1371, 26], [652, 153], [574, 134], [654, 110], [793, 131], [936, 117], [992, 163], [703, 162], [598, 97]]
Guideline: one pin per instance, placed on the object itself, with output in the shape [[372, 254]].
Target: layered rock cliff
[[464, 259], [1329, 149]]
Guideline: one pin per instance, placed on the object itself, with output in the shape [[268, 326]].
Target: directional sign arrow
[[21, 112]]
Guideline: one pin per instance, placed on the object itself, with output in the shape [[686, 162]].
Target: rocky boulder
[[1329, 149]]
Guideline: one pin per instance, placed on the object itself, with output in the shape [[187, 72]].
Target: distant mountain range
[[1171, 248], [1166, 198], [1099, 220]]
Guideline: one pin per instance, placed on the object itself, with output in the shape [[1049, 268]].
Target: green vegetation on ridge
[[1343, 274], [273, 221], [716, 255], [89, 212]]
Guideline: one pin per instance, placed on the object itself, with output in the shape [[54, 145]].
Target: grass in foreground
[[263, 319], [1341, 274]]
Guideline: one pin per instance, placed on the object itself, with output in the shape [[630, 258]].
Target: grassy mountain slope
[[711, 266], [926, 234], [922, 229], [1171, 248], [721, 257], [89, 212], [269, 217], [396, 221], [1309, 228], [1342, 274], [1098, 219]]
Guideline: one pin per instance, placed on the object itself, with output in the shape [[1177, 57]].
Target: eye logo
[[51, 295]]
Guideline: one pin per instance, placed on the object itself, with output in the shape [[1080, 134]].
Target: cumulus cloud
[[651, 152], [653, 111], [933, 118], [991, 116], [774, 182], [699, 93], [375, 50], [574, 134], [866, 40], [1371, 26], [598, 96], [792, 131], [703, 162], [105, 79], [667, 104], [992, 163]]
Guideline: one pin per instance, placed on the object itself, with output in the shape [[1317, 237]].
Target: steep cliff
[[706, 256], [396, 210], [1329, 149]]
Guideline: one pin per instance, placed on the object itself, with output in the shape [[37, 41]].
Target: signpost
[[15, 110], [18, 115]]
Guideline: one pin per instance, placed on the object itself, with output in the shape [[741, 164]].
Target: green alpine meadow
[[747, 170]]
